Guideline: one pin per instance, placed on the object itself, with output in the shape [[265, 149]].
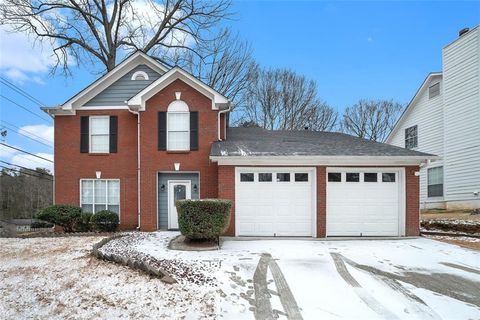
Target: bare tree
[[371, 119], [105, 30], [282, 99], [226, 64]]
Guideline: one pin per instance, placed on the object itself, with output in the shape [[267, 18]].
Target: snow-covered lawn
[[358, 279]]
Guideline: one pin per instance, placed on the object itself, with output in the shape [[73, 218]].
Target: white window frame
[[443, 182], [169, 113], [106, 187], [90, 133]]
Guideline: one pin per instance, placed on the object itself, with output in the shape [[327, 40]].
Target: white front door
[[177, 190]]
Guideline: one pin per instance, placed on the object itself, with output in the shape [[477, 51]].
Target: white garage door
[[364, 202], [274, 202]]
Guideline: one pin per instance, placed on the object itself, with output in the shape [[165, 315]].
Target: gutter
[[218, 120], [137, 113]]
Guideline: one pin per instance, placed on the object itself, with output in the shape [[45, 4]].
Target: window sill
[[99, 154], [178, 151]]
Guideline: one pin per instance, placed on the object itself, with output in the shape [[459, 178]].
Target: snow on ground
[[356, 279], [57, 278]]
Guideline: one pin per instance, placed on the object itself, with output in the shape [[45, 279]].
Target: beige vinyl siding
[[461, 71], [427, 114]]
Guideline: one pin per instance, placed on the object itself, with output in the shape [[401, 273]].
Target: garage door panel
[[362, 208], [286, 207]]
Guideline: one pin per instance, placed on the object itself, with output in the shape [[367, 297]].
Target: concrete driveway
[[360, 279]]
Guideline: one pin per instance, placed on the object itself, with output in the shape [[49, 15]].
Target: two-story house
[[443, 118], [143, 136]]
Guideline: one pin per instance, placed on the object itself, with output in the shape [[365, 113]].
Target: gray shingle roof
[[261, 142]]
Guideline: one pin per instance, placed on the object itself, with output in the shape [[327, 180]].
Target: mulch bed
[[452, 225]]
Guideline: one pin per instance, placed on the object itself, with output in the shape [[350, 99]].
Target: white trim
[[412, 102], [176, 73], [90, 118], [110, 77], [321, 160], [106, 186], [188, 195], [436, 198], [86, 108], [401, 176], [139, 73], [312, 173]]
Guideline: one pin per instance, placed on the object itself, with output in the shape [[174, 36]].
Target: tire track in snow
[[369, 300]]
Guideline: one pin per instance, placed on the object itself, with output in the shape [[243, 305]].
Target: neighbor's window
[[99, 134], [301, 177], [411, 137], [246, 177], [353, 177], [370, 177], [434, 90], [283, 177], [178, 126], [100, 194], [265, 177], [388, 177], [334, 177], [435, 182]]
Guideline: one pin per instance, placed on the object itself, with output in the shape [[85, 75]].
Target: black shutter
[[113, 133], [194, 130], [162, 131], [84, 132]]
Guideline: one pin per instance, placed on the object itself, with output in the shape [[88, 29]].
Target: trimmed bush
[[204, 219], [105, 220], [40, 224], [63, 215], [84, 224]]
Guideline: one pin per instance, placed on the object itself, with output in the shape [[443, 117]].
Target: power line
[[32, 154], [27, 136], [25, 168], [29, 132], [25, 173], [25, 108], [22, 92]]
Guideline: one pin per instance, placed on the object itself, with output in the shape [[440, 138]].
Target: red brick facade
[[215, 181]]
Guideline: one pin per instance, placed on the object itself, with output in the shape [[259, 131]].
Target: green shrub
[[63, 215], [105, 220], [204, 219], [84, 224], [40, 224]]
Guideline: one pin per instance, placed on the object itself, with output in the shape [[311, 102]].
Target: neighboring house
[[443, 118], [143, 136]]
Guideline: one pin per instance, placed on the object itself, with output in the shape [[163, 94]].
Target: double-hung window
[[178, 124], [100, 194], [435, 182], [411, 137], [99, 134]]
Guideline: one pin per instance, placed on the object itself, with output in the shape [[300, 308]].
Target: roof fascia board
[[110, 77], [322, 160], [412, 103], [140, 99]]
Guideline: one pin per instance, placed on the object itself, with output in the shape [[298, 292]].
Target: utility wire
[[23, 172], [29, 132], [22, 92], [32, 154], [27, 136], [25, 108]]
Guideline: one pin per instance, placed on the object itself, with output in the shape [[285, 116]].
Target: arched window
[[178, 126], [140, 75]]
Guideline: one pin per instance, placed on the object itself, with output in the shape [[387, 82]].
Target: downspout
[[137, 113], [218, 119]]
